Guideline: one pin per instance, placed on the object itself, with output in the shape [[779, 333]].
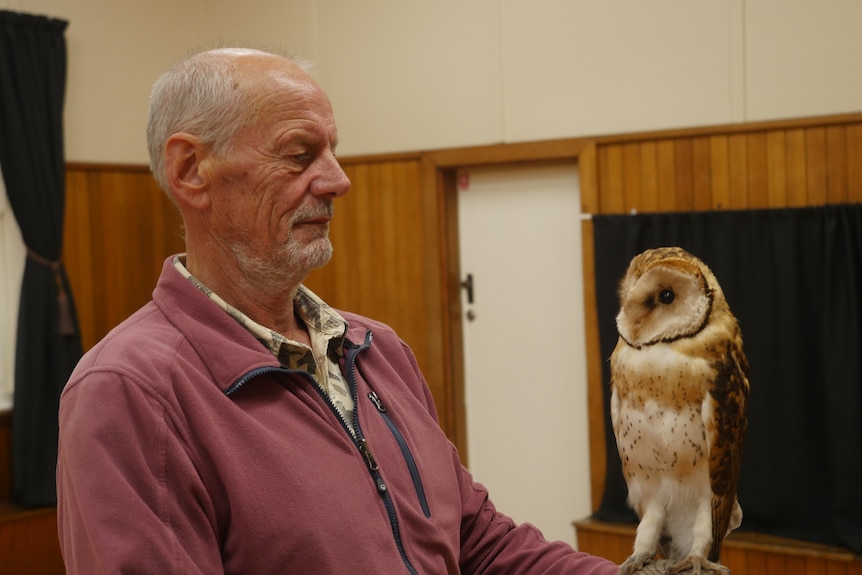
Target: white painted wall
[[411, 75], [116, 49]]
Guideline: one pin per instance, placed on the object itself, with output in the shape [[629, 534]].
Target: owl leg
[[646, 541], [696, 560]]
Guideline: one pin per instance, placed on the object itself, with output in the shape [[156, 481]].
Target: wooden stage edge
[[600, 537]]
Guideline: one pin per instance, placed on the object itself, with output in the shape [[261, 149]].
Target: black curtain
[[32, 91], [793, 278]]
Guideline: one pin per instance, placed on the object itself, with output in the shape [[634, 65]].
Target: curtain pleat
[[793, 278], [32, 92]]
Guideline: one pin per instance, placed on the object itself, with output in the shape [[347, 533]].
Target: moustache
[[310, 212]]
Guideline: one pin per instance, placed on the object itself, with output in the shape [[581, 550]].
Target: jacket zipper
[[251, 375], [355, 433], [405, 451], [382, 488]]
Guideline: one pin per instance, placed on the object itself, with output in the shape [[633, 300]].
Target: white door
[[524, 351]]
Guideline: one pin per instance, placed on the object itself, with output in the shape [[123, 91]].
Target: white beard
[[287, 265]]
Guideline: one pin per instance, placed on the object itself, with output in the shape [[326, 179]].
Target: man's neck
[[271, 308]]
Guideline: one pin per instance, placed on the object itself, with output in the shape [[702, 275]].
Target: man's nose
[[332, 181]]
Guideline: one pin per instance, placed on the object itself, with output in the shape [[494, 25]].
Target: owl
[[679, 395]]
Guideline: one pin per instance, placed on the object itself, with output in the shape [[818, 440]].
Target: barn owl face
[[666, 294]]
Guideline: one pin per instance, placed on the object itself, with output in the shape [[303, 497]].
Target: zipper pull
[[381, 486], [366, 452], [377, 402]]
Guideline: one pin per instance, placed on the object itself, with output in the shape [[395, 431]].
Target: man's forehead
[[292, 111], [273, 73]]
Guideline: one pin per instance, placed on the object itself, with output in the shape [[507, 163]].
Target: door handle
[[467, 284]]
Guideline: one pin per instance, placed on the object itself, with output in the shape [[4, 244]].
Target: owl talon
[[699, 566], [634, 564]]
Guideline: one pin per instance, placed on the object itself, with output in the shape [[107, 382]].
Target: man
[[236, 423]]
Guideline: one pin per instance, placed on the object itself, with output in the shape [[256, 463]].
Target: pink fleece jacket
[[186, 449]]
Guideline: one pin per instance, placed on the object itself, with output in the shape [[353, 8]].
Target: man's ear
[[183, 156]]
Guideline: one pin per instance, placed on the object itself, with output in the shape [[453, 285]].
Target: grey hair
[[199, 95]]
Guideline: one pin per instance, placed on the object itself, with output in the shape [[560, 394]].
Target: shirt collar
[[321, 320]]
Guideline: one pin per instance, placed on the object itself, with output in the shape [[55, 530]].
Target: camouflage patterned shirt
[[326, 328]]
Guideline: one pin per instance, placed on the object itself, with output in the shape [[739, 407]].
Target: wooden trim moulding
[[516, 153], [106, 167]]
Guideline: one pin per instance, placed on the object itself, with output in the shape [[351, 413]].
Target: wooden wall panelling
[[666, 174], [854, 164], [610, 180], [815, 191], [119, 228], [701, 173], [388, 265], [28, 541], [632, 182], [836, 164], [453, 410], [649, 196], [589, 182], [683, 166], [77, 253], [28, 537], [799, 179], [5, 455], [756, 171], [719, 172], [737, 173], [774, 168]]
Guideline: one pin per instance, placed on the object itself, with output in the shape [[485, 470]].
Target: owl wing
[[617, 380], [729, 394]]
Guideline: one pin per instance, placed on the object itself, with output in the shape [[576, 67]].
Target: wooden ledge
[[28, 541], [10, 512], [743, 541]]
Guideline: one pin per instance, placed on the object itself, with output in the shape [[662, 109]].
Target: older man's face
[[272, 191]]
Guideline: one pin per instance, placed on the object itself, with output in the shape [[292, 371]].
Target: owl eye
[[666, 296]]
